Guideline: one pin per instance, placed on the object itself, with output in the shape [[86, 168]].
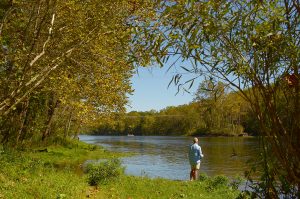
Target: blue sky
[[152, 92]]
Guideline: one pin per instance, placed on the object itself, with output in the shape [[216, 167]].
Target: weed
[[203, 177], [101, 172], [217, 182]]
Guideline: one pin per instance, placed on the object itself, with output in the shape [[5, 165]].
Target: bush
[[102, 172], [217, 182], [203, 177], [235, 183], [220, 181], [93, 147]]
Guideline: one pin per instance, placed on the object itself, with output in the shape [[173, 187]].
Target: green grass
[[57, 174], [138, 187], [24, 177], [74, 154]]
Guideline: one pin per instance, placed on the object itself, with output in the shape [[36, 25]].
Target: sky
[[151, 90]]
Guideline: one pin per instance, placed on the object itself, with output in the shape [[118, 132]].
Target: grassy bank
[[55, 172], [138, 187]]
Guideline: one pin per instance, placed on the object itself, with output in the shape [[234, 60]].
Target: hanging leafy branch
[[251, 45]]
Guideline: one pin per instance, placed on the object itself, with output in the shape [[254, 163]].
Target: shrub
[[93, 147], [217, 182], [220, 181], [235, 183], [101, 172], [203, 177]]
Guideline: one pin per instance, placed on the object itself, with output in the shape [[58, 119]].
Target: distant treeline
[[212, 112]]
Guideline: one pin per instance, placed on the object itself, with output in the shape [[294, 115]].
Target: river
[[166, 156]]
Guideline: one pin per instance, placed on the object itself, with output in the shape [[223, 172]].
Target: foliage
[[63, 66], [235, 183], [252, 46], [263, 187], [229, 115], [203, 177], [102, 172], [216, 182]]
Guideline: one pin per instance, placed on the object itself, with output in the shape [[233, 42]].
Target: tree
[[68, 58], [220, 113], [251, 45]]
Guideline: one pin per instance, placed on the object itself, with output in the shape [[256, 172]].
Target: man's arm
[[200, 153]]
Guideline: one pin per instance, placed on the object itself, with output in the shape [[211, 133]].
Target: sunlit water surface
[[166, 156]]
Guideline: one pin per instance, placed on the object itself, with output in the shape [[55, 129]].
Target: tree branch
[[46, 42]]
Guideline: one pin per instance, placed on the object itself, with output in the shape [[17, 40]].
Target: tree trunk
[[67, 127], [76, 132], [23, 117], [51, 112]]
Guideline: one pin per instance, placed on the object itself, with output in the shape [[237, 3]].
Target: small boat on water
[[130, 135]]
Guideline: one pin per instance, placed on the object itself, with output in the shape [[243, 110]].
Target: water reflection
[[166, 157]]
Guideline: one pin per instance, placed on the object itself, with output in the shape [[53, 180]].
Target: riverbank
[[55, 172]]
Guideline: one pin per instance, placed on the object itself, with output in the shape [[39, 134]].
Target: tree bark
[[51, 111], [23, 118], [67, 127]]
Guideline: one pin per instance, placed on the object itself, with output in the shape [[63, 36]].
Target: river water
[[166, 156]]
